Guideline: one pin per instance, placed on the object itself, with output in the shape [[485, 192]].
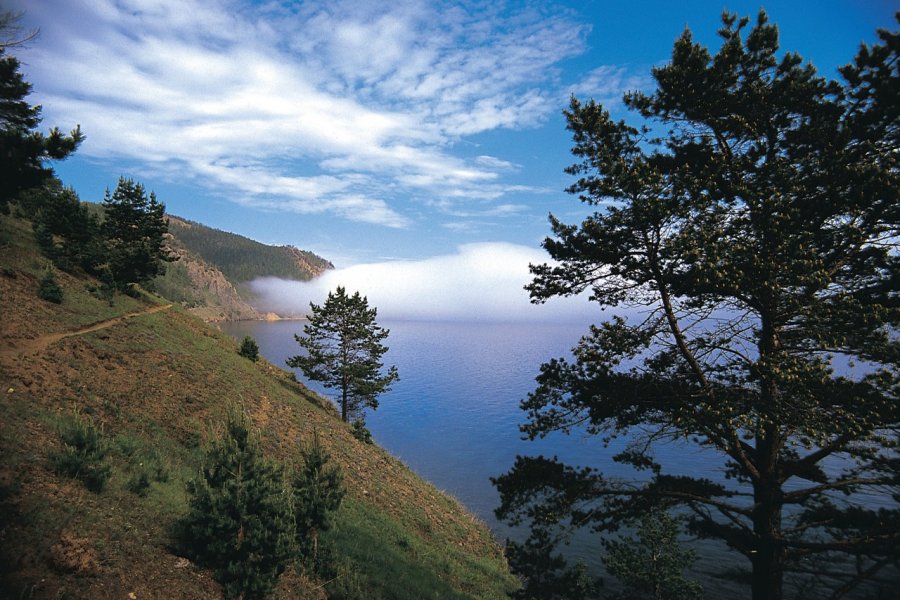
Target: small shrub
[[127, 445], [249, 348], [361, 432], [318, 491], [83, 453], [239, 522], [155, 467], [193, 440], [145, 466], [49, 290], [159, 471], [139, 484], [107, 290]]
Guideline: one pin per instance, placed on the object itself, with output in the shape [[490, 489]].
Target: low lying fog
[[481, 282]]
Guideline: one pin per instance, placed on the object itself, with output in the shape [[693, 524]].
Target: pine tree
[[544, 572], [652, 566], [240, 520], [25, 151], [134, 228], [249, 348], [64, 228], [48, 288], [755, 242], [343, 350], [318, 492]]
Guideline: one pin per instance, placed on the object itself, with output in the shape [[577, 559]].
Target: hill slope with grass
[[157, 384]]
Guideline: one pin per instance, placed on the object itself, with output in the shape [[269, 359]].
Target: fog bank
[[480, 282]]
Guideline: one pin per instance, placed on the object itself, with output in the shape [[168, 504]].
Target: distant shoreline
[[267, 318]]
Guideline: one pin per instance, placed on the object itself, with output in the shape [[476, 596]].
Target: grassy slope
[[160, 386]]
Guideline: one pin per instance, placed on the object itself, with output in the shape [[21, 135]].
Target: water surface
[[454, 418]]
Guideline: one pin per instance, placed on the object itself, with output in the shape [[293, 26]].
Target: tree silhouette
[[750, 229]]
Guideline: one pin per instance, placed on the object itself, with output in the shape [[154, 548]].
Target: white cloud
[[481, 282], [368, 97]]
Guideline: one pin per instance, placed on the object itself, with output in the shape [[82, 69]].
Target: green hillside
[[242, 259], [158, 383]]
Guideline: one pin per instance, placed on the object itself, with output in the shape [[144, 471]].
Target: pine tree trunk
[[768, 572], [768, 559]]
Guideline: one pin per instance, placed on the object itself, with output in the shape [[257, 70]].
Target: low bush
[[49, 290], [83, 454], [249, 349], [361, 432], [139, 484]]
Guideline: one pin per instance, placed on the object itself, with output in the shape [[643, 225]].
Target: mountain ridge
[[213, 268]]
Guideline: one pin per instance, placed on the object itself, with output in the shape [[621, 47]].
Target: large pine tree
[[134, 228], [753, 245]]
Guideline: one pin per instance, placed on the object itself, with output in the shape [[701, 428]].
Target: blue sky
[[368, 132]]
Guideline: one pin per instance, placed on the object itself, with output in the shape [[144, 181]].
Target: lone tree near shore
[[343, 351], [754, 246]]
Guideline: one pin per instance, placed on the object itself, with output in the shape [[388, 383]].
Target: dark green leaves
[[343, 351], [753, 247], [24, 150], [134, 228], [240, 521]]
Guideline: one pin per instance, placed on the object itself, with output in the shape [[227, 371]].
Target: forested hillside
[[213, 267], [242, 259]]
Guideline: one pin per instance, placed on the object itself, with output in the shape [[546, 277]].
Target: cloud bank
[[339, 107], [481, 282]]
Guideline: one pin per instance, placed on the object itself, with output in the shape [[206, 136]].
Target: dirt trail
[[36, 345]]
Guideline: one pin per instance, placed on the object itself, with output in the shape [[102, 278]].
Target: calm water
[[454, 416]]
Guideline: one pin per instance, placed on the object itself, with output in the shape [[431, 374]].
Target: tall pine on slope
[[757, 238], [25, 151], [134, 228], [343, 351]]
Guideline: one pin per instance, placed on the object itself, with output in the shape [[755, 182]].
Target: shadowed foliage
[[749, 231]]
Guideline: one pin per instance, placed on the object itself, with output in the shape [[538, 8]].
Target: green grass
[[385, 559]]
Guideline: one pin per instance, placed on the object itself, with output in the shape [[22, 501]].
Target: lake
[[454, 417]]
